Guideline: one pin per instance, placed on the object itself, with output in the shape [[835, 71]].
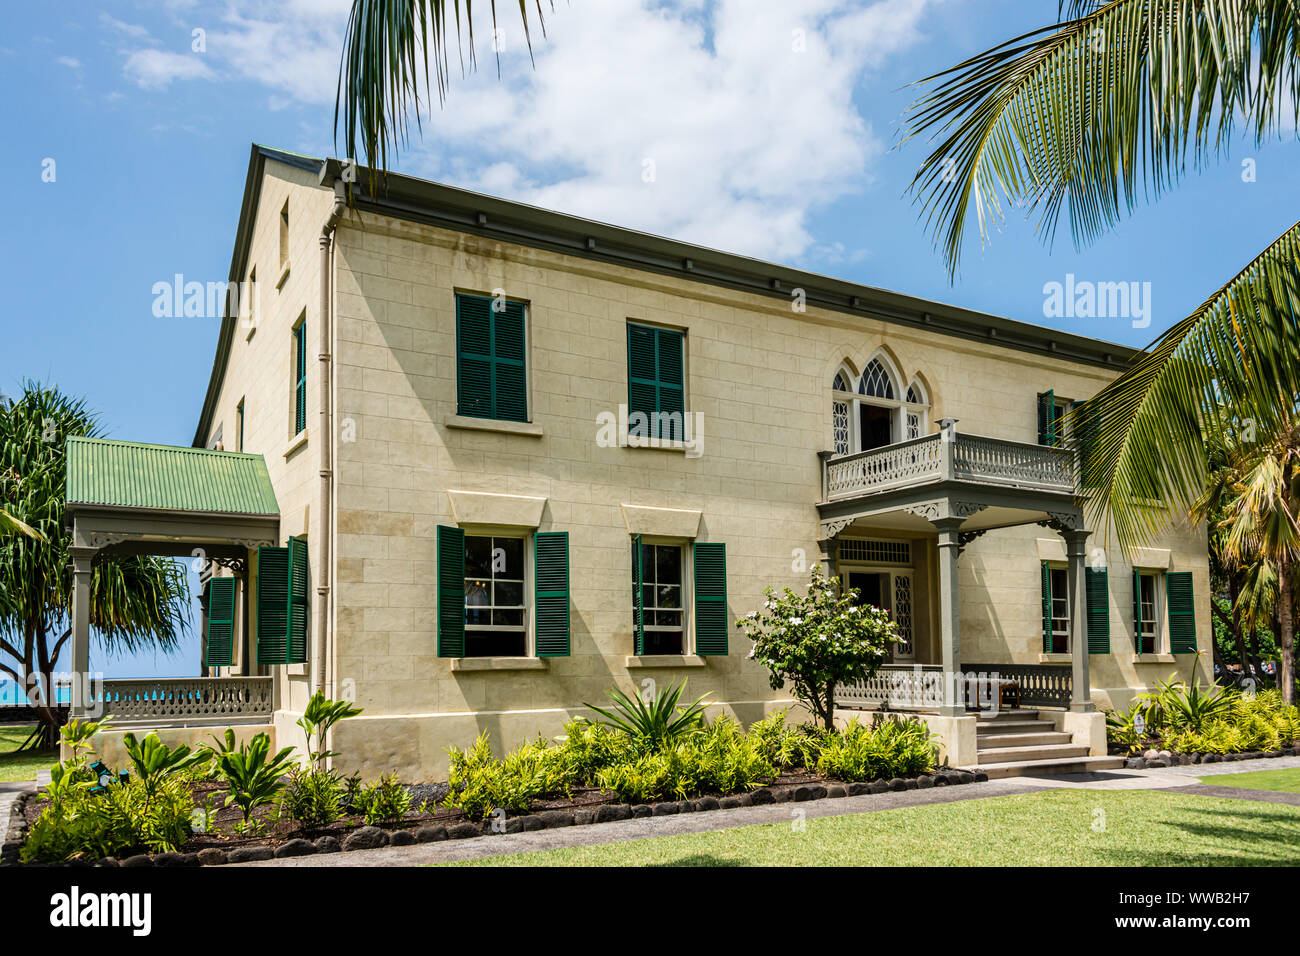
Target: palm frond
[[396, 57], [1098, 112], [1232, 365]]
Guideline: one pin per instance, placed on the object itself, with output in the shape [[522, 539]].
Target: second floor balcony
[[948, 456]]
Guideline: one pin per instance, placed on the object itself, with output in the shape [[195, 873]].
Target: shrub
[[818, 642], [250, 774], [480, 783], [655, 722], [80, 825], [385, 800], [589, 747], [152, 759], [889, 748], [313, 797], [317, 718], [719, 759], [788, 746]]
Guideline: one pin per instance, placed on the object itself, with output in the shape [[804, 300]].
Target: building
[[471, 463]]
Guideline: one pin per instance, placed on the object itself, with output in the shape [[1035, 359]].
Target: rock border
[[1159, 759], [15, 831], [372, 837]]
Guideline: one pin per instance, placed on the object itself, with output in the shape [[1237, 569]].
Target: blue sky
[[768, 125]]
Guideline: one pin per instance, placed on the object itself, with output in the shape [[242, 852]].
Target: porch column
[[81, 568], [829, 549], [950, 617], [1076, 551]]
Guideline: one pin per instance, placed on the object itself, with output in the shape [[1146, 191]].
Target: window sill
[[643, 661], [661, 444], [469, 423], [1054, 658], [500, 664], [296, 670], [296, 443], [1154, 659], [284, 277]]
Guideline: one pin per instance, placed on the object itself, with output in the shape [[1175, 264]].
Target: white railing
[[183, 699], [896, 687], [990, 461]]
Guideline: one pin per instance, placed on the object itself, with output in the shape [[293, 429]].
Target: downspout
[[323, 577]]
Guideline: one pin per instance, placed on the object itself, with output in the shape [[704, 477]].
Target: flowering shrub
[[819, 641]]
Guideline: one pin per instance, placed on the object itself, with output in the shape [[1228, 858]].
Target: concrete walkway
[[1184, 780]]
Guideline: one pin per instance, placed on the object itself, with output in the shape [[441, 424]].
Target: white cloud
[[745, 107], [71, 62], [133, 30], [155, 69]]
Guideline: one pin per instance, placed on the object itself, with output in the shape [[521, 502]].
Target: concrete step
[[991, 727], [1045, 752], [999, 741], [1002, 715], [1029, 768]]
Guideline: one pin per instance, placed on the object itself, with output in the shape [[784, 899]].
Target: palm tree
[[384, 76], [136, 602], [1260, 526], [1090, 115]]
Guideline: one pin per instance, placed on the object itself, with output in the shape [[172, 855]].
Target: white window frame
[[1161, 617], [1064, 598], [687, 548], [529, 636]]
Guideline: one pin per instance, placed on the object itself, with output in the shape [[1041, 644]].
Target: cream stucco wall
[[758, 372]]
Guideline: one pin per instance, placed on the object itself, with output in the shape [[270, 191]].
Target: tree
[[384, 76], [1260, 525], [1090, 115], [817, 642], [136, 602]]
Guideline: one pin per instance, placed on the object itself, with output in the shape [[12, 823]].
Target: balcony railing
[[923, 687], [184, 699], [990, 461]]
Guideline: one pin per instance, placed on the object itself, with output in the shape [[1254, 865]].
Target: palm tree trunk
[[1287, 633]]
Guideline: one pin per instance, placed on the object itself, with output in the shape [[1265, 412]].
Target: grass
[[1282, 781], [1055, 828], [21, 766]]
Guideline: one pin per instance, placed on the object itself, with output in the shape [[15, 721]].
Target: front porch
[[895, 521]]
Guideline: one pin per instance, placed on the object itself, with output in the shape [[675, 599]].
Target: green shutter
[[491, 359], [1047, 608], [638, 604], [300, 382], [656, 380], [451, 592], [1047, 417], [273, 605], [1137, 611], [1182, 612], [551, 579], [220, 644], [711, 623], [1098, 596], [299, 601]]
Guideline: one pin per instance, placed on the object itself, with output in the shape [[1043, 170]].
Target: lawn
[[23, 766], [1054, 828], [1283, 781]]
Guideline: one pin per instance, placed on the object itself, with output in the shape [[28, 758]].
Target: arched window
[[879, 411], [840, 405], [918, 410], [876, 381]]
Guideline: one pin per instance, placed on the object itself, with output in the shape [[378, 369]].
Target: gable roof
[[448, 207], [122, 474]]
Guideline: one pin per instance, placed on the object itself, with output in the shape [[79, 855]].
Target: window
[[1060, 612], [873, 415], [656, 390], [239, 426], [300, 376], [661, 599], [283, 604], [248, 305], [284, 235], [1051, 418], [1146, 612], [483, 601], [494, 597], [491, 374]]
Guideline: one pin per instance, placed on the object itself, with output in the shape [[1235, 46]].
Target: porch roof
[[105, 473]]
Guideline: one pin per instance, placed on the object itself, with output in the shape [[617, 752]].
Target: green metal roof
[[125, 474]]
